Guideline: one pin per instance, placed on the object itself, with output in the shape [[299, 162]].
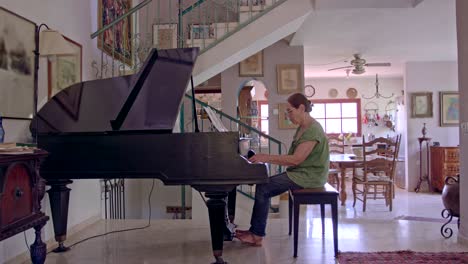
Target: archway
[[252, 106]]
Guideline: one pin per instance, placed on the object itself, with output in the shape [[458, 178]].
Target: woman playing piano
[[307, 161]]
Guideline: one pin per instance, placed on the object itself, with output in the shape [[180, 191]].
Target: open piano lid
[[148, 100]]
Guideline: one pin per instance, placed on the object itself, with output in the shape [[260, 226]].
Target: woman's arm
[[301, 153]]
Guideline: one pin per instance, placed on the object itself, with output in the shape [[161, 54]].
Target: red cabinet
[[21, 192]]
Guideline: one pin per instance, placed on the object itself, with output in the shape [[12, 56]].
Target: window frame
[[259, 109], [341, 101]]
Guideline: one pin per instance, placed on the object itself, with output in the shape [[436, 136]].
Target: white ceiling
[[426, 32]]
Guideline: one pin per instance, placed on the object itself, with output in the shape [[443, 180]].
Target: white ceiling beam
[[273, 26], [347, 4]]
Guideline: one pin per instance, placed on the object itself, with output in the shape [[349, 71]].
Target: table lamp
[[49, 43]]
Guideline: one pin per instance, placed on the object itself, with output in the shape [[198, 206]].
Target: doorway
[[253, 110]]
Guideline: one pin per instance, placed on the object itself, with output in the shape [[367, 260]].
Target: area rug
[[402, 257]]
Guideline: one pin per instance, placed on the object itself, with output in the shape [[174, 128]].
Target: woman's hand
[[259, 158]]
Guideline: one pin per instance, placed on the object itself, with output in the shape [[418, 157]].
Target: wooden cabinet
[[444, 162], [21, 192]]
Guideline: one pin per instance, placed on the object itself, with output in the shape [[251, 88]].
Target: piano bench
[[325, 195]]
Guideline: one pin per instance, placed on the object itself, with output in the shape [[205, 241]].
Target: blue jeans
[[277, 185]]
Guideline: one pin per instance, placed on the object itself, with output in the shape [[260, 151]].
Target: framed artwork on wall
[[165, 36], [17, 46], [117, 41], [251, 2], [284, 122], [289, 77], [252, 66], [201, 31], [421, 105], [65, 70], [449, 109]]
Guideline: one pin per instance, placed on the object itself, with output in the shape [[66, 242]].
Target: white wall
[[462, 32], [162, 196], [73, 19], [428, 77]]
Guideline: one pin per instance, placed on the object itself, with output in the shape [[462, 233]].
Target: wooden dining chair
[[397, 150], [376, 175], [336, 146]]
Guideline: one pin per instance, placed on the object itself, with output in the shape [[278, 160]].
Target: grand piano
[[121, 127]]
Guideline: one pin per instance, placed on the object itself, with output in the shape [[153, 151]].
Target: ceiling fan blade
[[377, 64], [345, 67]]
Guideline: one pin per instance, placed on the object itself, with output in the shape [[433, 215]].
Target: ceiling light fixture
[[377, 94]]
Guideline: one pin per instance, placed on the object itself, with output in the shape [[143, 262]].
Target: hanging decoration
[[377, 93], [371, 114]]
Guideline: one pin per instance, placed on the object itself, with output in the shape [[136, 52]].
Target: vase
[[424, 130], [451, 195]]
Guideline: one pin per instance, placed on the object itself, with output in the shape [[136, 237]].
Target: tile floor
[[180, 241]]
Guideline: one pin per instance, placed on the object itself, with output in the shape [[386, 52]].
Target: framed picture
[[117, 41], [253, 2], [165, 36], [449, 108], [284, 122], [252, 66], [65, 70], [421, 105], [17, 46], [201, 31], [289, 78]]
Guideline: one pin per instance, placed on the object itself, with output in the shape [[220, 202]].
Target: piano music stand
[[424, 175]]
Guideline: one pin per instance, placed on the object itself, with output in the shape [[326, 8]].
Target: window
[[263, 116], [338, 116]]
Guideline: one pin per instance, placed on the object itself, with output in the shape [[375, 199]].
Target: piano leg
[[59, 195], [232, 205], [221, 228]]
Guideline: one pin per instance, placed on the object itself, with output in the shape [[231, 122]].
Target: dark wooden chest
[[21, 192]]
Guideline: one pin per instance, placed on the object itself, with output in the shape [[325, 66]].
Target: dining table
[[343, 162]]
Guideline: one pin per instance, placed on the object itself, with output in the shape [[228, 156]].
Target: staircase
[[227, 32]]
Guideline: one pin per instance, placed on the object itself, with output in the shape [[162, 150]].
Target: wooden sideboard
[[444, 162], [21, 192]]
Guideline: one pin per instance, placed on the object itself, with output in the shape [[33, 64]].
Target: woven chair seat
[[373, 178]]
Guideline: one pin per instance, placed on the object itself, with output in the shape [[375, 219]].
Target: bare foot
[[249, 238]]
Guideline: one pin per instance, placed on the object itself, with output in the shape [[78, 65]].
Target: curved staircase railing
[[271, 145], [127, 34]]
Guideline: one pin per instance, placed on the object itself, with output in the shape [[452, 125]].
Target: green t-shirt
[[313, 171]]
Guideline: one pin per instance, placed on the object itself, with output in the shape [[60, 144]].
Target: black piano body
[[122, 128]]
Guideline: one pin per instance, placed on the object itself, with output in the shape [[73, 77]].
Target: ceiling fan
[[359, 63]]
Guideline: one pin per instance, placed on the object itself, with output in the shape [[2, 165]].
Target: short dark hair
[[298, 99]]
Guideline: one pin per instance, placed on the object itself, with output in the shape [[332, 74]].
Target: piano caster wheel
[[61, 248], [219, 260]]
